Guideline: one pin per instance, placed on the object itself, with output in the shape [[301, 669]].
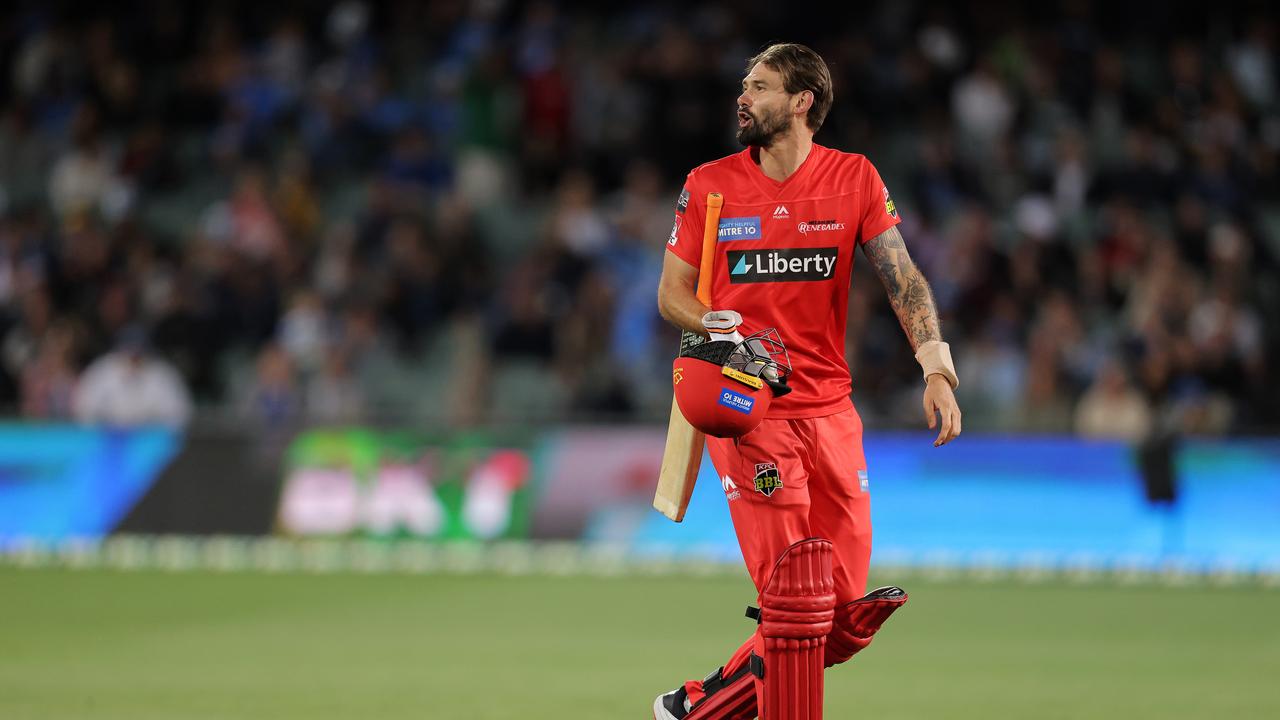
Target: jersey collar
[[770, 187]]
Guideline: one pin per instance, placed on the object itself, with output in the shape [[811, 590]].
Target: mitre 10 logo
[[782, 265]]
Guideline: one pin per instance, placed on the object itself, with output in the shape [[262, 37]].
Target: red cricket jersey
[[784, 258]]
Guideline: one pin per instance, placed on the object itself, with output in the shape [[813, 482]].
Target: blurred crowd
[[456, 211]]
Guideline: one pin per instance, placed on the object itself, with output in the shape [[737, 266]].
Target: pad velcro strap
[[731, 697], [935, 359], [714, 682], [753, 612], [756, 665]]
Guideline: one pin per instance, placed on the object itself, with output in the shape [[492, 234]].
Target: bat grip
[[710, 235]]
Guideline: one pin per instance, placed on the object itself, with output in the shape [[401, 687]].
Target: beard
[[764, 129]]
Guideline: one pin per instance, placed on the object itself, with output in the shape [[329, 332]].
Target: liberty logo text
[[782, 265]]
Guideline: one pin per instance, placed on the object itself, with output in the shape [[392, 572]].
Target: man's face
[[764, 107]]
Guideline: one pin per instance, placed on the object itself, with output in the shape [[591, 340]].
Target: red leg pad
[[857, 622], [797, 609]]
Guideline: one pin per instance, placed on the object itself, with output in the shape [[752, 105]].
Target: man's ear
[[803, 102]]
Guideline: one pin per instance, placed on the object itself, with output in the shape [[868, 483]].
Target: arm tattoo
[[909, 292]]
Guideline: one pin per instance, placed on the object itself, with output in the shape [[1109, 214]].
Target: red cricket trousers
[[789, 480]]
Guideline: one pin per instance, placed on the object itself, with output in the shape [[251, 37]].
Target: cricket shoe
[[673, 705]]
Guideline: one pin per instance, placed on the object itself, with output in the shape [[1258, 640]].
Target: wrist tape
[[935, 358]]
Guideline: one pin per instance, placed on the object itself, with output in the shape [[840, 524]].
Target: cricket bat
[[682, 457]]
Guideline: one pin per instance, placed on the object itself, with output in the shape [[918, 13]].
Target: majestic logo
[[682, 203], [782, 265], [781, 212], [736, 401], [889, 207], [809, 226], [767, 480], [862, 480], [675, 232], [677, 374], [730, 489], [739, 228]]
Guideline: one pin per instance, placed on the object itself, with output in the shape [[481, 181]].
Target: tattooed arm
[[909, 292], [912, 302]]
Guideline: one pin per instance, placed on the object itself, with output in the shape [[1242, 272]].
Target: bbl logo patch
[[767, 478], [682, 203], [675, 232], [889, 207]]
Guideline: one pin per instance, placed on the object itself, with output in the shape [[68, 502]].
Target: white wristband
[[935, 359]]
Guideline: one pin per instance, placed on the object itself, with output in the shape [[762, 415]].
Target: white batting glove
[[723, 325]]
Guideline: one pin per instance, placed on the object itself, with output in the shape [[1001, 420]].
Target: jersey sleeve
[[686, 230], [878, 211]]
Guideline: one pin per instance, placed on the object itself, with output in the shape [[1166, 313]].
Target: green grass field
[[101, 644]]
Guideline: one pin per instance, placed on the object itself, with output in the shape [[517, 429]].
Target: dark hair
[[802, 69]]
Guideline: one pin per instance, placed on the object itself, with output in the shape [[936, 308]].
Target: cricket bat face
[[682, 457], [681, 461]]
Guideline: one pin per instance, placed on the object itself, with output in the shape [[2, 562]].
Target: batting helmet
[[724, 388]]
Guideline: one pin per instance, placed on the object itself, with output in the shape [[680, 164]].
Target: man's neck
[[785, 155]]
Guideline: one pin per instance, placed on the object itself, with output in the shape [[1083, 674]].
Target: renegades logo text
[[819, 226]]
